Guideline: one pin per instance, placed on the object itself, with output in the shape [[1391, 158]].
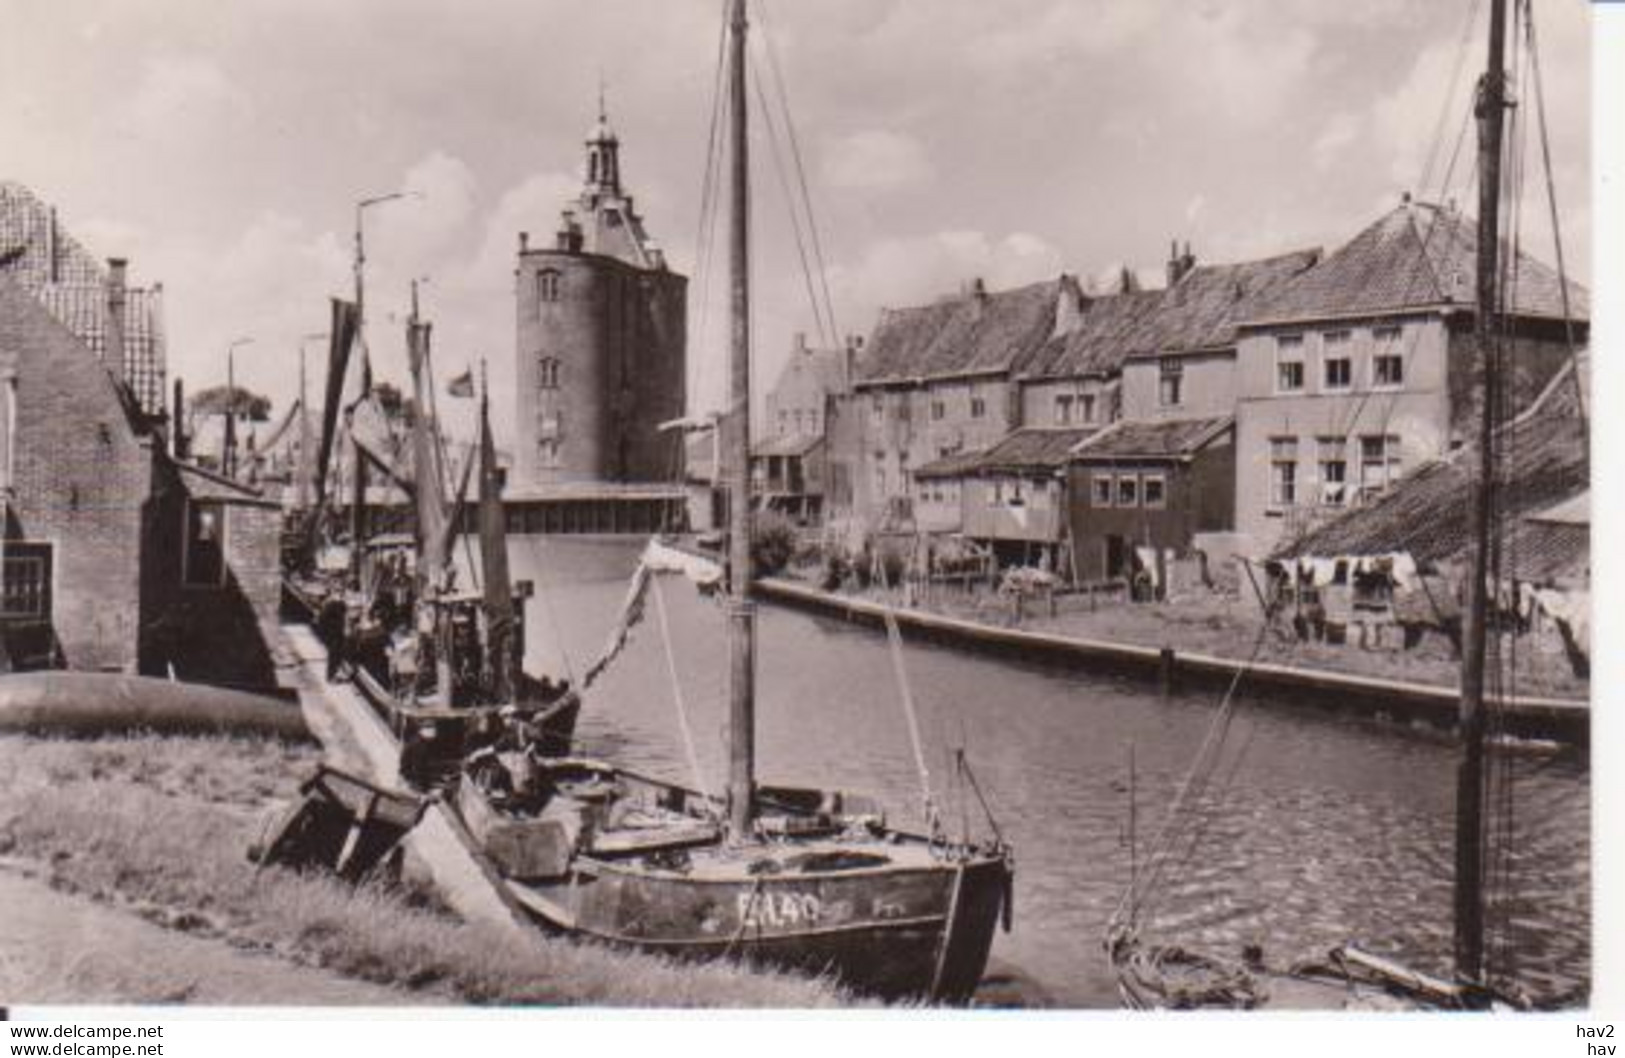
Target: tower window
[[548, 373], [547, 285]]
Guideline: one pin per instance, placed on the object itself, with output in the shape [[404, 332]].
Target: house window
[[1086, 406], [1283, 471], [25, 582], [1171, 383], [1102, 490], [1017, 497], [939, 410], [978, 407], [1128, 490], [547, 285], [1154, 491], [1387, 361], [1379, 463], [1337, 366], [1334, 472], [204, 562], [1063, 409], [1289, 363]]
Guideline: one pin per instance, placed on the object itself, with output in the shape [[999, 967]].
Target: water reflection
[[1327, 830]]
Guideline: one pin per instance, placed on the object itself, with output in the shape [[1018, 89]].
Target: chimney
[[113, 335], [180, 438], [1179, 264], [1068, 305], [854, 346], [524, 242]]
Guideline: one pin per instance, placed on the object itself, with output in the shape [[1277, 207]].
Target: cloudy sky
[[222, 145]]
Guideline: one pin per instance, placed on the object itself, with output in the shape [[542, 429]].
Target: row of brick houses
[[114, 554], [1232, 410]]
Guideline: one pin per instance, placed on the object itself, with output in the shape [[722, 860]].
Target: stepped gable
[[1417, 256], [1545, 463], [974, 333]]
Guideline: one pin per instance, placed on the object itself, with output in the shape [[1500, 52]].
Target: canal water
[[1324, 829]]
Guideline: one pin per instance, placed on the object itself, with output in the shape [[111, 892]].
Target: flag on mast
[[462, 385]]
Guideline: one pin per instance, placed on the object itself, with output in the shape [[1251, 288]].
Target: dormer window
[[1170, 383]]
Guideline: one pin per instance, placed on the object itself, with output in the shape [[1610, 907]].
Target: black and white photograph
[[928, 509]]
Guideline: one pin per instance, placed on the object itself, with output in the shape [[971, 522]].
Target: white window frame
[[1170, 369], [1160, 479], [1283, 486], [1336, 347], [1387, 343], [1133, 483], [1283, 359], [1103, 489]]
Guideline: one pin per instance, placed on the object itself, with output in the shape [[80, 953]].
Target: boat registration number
[[758, 910]]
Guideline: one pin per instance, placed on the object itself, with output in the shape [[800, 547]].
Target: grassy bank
[[1228, 627], [160, 827]]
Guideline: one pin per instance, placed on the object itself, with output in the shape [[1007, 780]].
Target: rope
[[1557, 229], [677, 688], [894, 636], [801, 172]]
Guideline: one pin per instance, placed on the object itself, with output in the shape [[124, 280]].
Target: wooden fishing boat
[[801, 879], [60, 702]]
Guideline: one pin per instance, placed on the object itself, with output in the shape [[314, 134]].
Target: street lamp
[[228, 454]]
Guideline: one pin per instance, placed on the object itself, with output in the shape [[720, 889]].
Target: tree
[[218, 400]]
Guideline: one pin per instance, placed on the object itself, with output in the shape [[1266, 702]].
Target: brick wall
[[618, 335], [83, 480]]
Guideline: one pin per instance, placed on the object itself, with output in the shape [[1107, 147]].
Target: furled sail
[[345, 320], [499, 613], [434, 521]]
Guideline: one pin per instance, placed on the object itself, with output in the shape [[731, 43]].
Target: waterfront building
[[935, 380], [1365, 367], [600, 345], [1144, 493], [1013, 497], [791, 458], [114, 555]]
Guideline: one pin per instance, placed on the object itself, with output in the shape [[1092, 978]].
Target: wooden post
[[1166, 672], [1469, 888], [741, 611]]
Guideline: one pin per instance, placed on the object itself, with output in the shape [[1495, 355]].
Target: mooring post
[[1166, 662]]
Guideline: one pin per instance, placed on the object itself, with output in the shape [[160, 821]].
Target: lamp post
[[228, 453], [358, 475]]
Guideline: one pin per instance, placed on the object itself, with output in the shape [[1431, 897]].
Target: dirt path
[[56, 948]]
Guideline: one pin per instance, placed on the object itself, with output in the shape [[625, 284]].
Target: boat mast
[[358, 464], [741, 610], [1469, 894]]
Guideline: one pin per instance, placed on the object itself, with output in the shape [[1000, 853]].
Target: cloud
[[176, 89], [1339, 133], [876, 160], [897, 272]]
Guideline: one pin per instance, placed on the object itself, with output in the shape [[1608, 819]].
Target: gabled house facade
[[1366, 366]]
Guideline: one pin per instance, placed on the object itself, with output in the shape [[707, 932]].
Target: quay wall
[[1558, 719]]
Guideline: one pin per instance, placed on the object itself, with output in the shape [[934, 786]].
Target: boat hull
[[84, 704], [891, 931]]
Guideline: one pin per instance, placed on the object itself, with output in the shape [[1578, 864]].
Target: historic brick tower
[[602, 338]]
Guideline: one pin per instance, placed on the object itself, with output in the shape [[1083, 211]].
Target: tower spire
[[603, 150]]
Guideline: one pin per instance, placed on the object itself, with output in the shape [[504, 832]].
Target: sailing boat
[[442, 664], [804, 879], [1170, 976]]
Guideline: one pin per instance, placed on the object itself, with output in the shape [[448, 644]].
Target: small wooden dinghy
[[342, 823], [97, 703]]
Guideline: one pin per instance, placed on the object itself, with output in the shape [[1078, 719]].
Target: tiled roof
[[1198, 312], [954, 465], [969, 334], [1545, 464], [1035, 448], [1173, 439], [1107, 332], [1416, 256]]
